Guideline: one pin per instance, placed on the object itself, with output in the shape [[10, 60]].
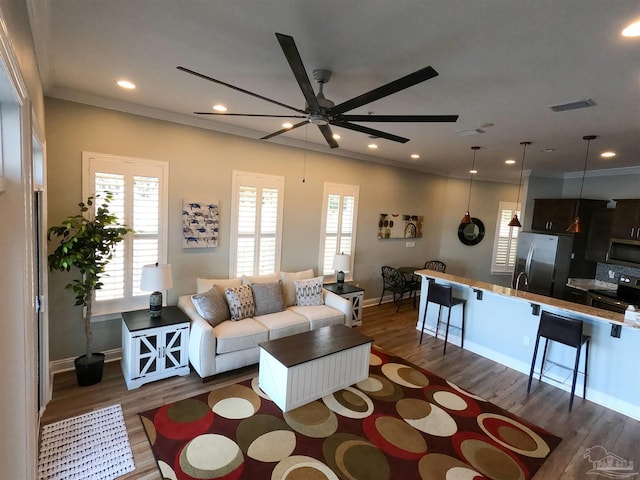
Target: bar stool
[[569, 332], [442, 295]]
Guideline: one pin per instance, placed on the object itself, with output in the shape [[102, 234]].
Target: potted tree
[[86, 241]]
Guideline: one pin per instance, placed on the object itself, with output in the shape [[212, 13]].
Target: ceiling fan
[[323, 112]]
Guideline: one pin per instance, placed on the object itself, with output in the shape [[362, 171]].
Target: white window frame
[[92, 162], [342, 190], [259, 181], [505, 214]]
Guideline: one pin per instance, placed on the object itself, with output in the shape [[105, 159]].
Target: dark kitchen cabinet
[[599, 234], [626, 219], [575, 295], [554, 215]]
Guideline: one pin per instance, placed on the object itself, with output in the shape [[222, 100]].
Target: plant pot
[[89, 369]]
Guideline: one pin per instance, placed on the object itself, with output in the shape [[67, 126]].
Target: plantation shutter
[[139, 201], [256, 224], [506, 240], [339, 219]]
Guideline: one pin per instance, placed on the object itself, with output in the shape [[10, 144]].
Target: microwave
[[624, 252]]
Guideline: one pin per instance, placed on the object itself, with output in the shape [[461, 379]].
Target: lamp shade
[[156, 277], [342, 262]]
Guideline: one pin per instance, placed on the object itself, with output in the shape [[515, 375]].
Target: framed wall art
[[200, 223], [396, 225]]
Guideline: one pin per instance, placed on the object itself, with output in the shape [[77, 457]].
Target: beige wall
[[201, 163]]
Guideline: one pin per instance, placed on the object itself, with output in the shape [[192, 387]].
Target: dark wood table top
[[304, 347], [142, 319]]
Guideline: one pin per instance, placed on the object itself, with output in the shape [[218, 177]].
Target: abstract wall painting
[[395, 225], [200, 222]]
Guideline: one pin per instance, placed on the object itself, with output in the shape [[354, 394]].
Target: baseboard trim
[[66, 364]]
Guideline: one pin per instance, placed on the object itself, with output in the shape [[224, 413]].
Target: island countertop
[[596, 314]]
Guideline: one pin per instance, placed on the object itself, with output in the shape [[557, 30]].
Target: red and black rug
[[401, 423]]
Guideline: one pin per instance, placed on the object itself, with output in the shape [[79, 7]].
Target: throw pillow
[[289, 286], [268, 297], [212, 305], [309, 292], [241, 303], [248, 279], [204, 284]]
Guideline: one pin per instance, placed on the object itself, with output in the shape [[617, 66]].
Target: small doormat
[[402, 422], [93, 446]]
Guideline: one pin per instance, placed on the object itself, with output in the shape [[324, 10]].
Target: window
[[506, 241], [338, 230], [140, 202], [256, 224]]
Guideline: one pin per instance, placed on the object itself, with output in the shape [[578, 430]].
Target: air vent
[[563, 107], [472, 131]]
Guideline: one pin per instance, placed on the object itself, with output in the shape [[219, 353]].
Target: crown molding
[[609, 172]]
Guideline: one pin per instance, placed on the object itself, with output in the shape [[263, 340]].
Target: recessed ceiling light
[[547, 150], [473, 171], [287, 125], [510, 161], [372, 146], [336, 136], [219, 108], [126, 84], [608, 154], [415, 156], [632, 30]]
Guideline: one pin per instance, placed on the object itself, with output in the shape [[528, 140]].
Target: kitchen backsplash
[[608, 272]]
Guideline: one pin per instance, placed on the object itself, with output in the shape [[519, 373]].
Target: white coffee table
[[298, 369]]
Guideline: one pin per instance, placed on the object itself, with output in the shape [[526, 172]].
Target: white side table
[[352, 293], [154, 348]]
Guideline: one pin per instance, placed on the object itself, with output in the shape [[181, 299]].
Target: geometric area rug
[[93, 446], [402, 422]]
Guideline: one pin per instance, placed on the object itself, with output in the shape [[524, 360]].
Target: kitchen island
[[501, 324]]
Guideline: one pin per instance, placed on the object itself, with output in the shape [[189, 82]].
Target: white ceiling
[[501, 62]]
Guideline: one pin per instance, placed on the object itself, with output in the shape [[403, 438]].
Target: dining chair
[[395, 282], [435, 265]]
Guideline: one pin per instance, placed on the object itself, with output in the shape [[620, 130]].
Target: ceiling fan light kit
[[323, 112]]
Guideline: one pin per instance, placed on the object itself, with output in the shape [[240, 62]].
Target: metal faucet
[[526, 281]]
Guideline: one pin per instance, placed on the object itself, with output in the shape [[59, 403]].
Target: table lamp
[[155, 278], [341, 263]]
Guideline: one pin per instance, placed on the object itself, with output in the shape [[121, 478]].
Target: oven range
[[627, 293]]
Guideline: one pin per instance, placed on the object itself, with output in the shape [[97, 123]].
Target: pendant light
[[575, 225], [467, 217], [514, 221]]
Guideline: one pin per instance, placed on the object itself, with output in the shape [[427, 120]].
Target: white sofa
[[233, 344]]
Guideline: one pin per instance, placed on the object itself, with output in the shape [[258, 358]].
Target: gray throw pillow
[[241, 304], [212, 305], [268, 297]]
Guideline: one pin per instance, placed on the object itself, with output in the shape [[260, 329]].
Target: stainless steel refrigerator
[[546, 259]]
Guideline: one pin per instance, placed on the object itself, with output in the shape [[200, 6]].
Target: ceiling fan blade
[[249, 115], [192, 72], [369, 131], [399, 118], [290, 51], [284, 130], [392, 87], [328, 135]]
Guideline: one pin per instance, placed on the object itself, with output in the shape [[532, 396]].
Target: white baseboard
[[66, 364]]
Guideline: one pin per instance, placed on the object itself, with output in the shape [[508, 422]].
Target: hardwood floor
[[587, 426]]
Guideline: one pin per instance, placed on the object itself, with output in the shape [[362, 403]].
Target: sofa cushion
[[289, 286], [241, 304], [319, 315], [309, 292], [239, 335], [212, 305], [283, 324], [204, 284], [267, 297], [272, 277]]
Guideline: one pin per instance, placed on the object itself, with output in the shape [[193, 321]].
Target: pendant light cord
[[473, 167], [584, 171], [524, 149]]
